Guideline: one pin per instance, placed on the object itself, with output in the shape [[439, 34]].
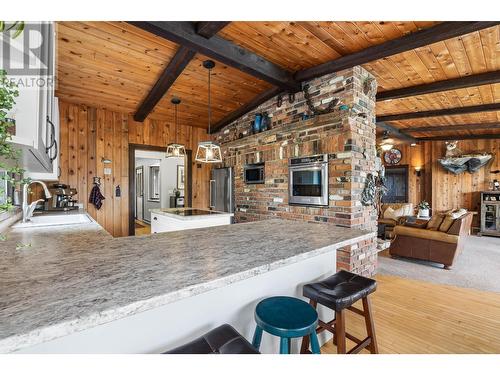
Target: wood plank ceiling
[[115, 65]]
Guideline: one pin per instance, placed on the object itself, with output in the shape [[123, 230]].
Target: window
[[154, 183]]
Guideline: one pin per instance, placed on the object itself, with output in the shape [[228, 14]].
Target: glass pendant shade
[[175, 150], [208, 152]]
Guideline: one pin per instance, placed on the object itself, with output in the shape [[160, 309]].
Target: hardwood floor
[[142, 228], [418, 317]]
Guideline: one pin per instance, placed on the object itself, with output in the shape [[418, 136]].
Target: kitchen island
[[76, 289], [172, 219]]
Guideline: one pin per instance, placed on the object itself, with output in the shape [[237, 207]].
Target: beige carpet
[[477, 267]]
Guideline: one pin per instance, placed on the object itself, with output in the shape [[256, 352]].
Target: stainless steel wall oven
[[308, 180]]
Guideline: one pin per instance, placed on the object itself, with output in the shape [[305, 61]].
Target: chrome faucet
[[28, 209]]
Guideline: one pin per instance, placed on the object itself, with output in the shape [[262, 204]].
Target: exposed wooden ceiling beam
[[254, 103], [207, 29], [396, 132], [442, 128], [459, 137], [442, 31], [229, 53], [167, 78], [441, 112], [175, 67], [450, 84]]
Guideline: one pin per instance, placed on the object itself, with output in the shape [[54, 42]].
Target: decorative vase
[[423, 212], [257, 123]]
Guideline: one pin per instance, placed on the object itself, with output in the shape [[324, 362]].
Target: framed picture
[[180, 177]]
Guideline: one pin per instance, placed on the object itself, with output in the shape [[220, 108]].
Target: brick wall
[[347, 135]]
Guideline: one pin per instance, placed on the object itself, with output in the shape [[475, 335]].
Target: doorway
[[396, 181], [156, 182]]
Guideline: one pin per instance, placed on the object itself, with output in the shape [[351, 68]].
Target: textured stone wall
[[347, 135]]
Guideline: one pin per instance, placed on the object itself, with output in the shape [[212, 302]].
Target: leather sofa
[[432, 245], [391, 223]]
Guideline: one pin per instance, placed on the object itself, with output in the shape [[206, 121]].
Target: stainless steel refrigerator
[[222, 190]]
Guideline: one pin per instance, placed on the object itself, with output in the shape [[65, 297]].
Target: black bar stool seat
[[221, 340], [340, 290]]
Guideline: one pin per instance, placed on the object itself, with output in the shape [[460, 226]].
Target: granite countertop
[[179, 213], [72, 278]]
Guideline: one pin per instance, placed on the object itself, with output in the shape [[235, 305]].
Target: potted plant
[[423, 209]]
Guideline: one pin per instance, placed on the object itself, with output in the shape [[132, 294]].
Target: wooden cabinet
[[490, 213], [35, 111]]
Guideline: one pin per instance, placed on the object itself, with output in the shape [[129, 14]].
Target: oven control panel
[[309, 159]]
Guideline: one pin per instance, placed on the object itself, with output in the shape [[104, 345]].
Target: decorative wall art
[[180, 177], [393, 156], [456, 162]]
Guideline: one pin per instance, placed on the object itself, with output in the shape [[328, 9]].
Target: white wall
[[168, 173], [148, 205]]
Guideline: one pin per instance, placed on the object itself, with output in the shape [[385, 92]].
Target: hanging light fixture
[[386, 143], [208, 151], [175, 150]]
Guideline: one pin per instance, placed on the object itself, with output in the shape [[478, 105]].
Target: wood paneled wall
[[442, 189], [455, 191], [90, 134]]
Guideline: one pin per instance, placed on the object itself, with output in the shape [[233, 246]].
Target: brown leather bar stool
[[339, 292]]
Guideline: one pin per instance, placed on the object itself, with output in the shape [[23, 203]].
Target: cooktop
[[193, 212]]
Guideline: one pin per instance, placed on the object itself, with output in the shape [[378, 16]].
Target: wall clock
[[393, 156]]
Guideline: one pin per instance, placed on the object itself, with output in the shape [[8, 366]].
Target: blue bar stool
[[287, 318]]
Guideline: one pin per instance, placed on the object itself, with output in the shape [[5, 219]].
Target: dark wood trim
[[459, 137], [131, 179], [208, 29], [442, 128], [449, 84], [439, 32], [229, 53], [175, 67], [396, 132], [254, 103], [167, 78], [441, 112]]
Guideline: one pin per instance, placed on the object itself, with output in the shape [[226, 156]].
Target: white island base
[[171, 325]]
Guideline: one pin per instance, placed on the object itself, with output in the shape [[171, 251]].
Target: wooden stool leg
[[305, 345], [284, 345], [315, 349], [257, 337], [370, 326], [340, 331], [305, 340]]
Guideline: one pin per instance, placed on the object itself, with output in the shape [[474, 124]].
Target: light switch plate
[[107, 171]]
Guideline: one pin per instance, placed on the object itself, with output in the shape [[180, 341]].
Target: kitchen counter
[[73, 278]]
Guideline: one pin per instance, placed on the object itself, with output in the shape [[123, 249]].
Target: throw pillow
[[389, 213], [393, 214], [408, 209], [435, 221], [447, 223], [458, 213]]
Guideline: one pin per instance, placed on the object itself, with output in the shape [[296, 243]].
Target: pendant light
[[175, 150], [208, 151]]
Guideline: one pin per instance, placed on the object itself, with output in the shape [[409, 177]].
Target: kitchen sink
[[46, 220]]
